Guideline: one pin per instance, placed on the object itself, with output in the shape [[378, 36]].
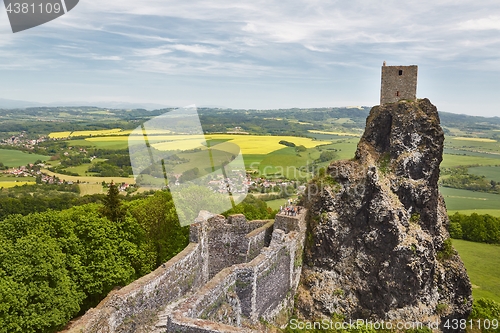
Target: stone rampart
[[239, 295], [232, 273]]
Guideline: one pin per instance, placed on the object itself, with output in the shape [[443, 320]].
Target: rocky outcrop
[[377, 245]]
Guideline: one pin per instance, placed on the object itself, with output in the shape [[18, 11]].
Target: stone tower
[[398, 82]]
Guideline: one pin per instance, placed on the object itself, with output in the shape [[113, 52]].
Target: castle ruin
[[398, 83], [232, 274]]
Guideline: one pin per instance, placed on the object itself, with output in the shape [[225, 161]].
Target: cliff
[[377, 246]]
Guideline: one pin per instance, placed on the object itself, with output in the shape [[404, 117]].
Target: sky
[[256, 54]]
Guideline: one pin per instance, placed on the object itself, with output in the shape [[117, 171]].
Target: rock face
[[378, 246]]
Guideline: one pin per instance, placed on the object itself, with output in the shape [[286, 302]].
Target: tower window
[[400, 72], [397, 93]]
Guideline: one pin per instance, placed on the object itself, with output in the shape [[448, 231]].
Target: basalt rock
[[378, 246]]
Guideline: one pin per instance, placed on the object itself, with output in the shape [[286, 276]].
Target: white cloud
[[485, 23], [196, 49]]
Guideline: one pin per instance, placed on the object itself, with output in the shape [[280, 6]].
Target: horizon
[[138, 107], [255, 55]]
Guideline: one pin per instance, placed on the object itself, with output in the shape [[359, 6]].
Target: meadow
[[82, 170], [457, 199], [482, 262], [16, 158], [490, 172], [450, 160]]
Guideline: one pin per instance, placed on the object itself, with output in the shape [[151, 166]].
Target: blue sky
[[256, 54]]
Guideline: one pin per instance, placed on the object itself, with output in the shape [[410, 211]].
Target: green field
[[469, 200], [275, 204], [490, 172], [286, 162], [109, 144], [483, 266], [456, 160], [16, 158], [81, 169]]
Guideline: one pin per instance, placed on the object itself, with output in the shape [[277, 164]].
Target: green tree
[[112, 208], [455, 230], [36, 291], [158, 217]]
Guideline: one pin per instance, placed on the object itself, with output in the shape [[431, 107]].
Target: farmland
[[9, 184], [66, 134], [469, 200], [15, 158], [89, 179], [335, 133], [483, 267], [490, 172], [460, 138]]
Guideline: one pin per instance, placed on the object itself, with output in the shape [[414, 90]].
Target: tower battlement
[[398, 83]]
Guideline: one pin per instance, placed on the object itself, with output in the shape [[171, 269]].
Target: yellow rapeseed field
[[114, 131], [461, 138], [249, 144], [13, 184], [59, 135]]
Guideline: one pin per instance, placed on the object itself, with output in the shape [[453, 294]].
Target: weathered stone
[[377, 227]]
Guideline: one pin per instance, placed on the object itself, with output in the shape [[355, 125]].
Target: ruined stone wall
[[241, 294], [143, 297], [228, 244], [398, 83], [232, 273]]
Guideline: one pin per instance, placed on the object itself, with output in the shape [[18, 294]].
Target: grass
[[16, 158], [276, 203], [345, 148], [81, 169], [286, 162], [456, 160], [483, 266], [469, 200], [491, 173]]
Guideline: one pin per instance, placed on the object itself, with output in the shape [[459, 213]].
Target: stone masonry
[[398, 83], [233, 273]]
